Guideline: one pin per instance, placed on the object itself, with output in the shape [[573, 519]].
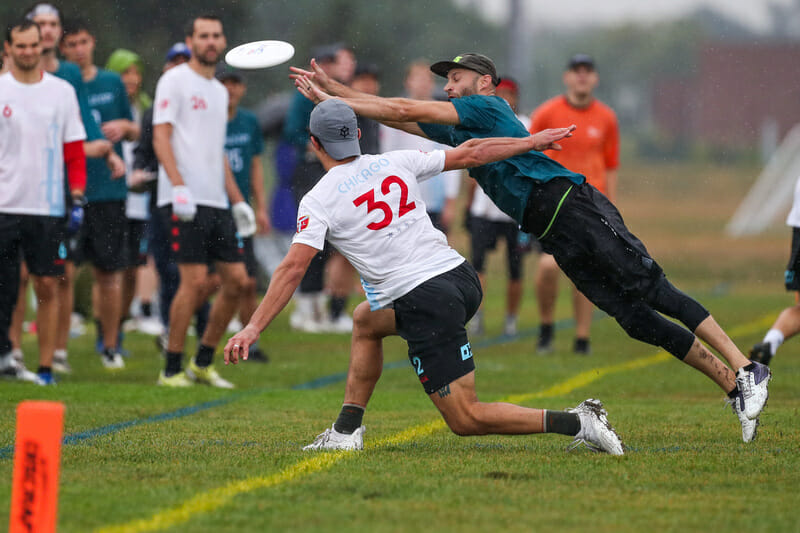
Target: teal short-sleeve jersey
[[509, 182], [108, 100], [71, 73], [243, 142]]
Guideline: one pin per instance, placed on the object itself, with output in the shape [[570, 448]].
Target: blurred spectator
[[592, 151]]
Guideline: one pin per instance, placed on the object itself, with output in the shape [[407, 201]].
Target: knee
[[465, 421], [234, 286], [46, 287]]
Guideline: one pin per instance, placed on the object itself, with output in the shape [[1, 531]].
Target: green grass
[[686, 467]]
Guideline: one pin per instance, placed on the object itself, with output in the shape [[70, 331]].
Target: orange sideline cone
[[37, 456]]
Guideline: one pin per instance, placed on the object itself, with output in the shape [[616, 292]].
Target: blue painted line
[[76, 438]]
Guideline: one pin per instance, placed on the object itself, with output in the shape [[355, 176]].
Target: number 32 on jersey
[[373, 204]]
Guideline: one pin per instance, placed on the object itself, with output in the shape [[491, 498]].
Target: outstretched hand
[[316, 74], [239, 345], [309, 90], [546, 139]]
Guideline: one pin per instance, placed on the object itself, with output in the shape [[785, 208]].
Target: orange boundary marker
[[37, 456]]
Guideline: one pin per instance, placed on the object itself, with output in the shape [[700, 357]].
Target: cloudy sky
[[753, 13]]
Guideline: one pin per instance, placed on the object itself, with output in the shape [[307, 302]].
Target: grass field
[[143, 458]]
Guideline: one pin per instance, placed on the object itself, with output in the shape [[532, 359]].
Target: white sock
[[774, 338], [60, 354]]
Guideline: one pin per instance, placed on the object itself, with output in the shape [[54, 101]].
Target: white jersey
[[371, 210], [794, 215], [36, 120], [436, 190], [137, 204], [197, 108]]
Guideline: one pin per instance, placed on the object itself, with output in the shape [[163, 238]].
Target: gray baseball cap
[[334, 123]]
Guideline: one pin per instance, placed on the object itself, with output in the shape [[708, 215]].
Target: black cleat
[[761, 353], [257, 356], [581, 347]]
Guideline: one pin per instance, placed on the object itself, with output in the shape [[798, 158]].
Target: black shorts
[[211, 236], [791, 277], [41, 239], [138, 244], [605, 261], [431, 319], [104, 236], [250, 263], [483, 237]]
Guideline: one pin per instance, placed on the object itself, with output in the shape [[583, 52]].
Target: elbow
[[404, 112]]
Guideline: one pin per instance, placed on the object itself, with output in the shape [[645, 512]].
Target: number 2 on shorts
[[417, 365]]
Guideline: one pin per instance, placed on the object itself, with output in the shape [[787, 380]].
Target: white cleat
[[596, 433], [60, 363], [112, 360], [753, 386], [11, 368], [330, 439], [749, 427]]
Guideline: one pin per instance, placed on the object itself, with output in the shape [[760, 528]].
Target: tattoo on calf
[[444, 391]]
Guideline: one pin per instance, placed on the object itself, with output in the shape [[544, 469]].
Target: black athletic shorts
[[250, 263], [605, 261], [431, 319], [483, 237], [41, 240], [791, 277], [211, 236], [104, 236], [137, 246]]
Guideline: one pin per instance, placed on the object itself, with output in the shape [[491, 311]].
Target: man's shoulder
[[246, 116], [551, 104], [604, 109], [54, 83]]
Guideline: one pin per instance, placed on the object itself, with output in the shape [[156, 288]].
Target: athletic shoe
[[544, 345], [10, 368], [46, 379], [149, 325], [77, 325], [510, 326], [761, 353], [330, 439], [17, 354], [342, 324], [60, 363], [207, 375], [596, 433], [581, 347], [749, 427], [178, 380], [112, 359], [257, 355], [753, 386]]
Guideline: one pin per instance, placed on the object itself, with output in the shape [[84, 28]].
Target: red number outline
[[372, 204]]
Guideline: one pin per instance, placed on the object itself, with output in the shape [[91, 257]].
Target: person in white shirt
[[40, 133], [195, 184], [370, 208]]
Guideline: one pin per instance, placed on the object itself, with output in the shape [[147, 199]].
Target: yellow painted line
[[212, 500]]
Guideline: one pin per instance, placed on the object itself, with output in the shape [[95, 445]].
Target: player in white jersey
[[40, 132], [194, 186], [370, 208]]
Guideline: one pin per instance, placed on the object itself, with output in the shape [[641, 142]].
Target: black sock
[[546, 332], [44, 370], [581, 345], [174, 360], [337, 306], [205, 354], [734, 393], [750, 367], [561, 422], [147, 309], [349, 418]]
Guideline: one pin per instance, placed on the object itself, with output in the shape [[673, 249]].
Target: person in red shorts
[[592, 151]]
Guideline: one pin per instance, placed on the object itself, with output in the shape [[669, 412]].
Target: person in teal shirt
[[104, 235], [244, 145], [573, 221]]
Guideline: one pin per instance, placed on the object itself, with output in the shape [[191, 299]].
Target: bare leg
[[465, 415], [46, 316], [788, 322], [366, 352], [187, 298], [109, 308], [146, 281], [341, 276], [710, 332], [583, 314], [513, 296], [249, 300], [707, 363], [128, 290], [546, 287], [234, 277], [66, 301], [18, 318]]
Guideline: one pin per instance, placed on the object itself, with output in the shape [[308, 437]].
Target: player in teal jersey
[[244, 145], [105, 233]]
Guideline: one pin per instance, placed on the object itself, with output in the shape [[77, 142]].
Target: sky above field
[[753, 13]]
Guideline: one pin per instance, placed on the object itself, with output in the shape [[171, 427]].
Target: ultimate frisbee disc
[[260, 54]]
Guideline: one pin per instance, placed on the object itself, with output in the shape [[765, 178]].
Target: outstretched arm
[[281, 287], [478, 152]]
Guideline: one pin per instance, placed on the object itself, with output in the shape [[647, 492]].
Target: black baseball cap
[[475, 62], [225, 72], [334, 124], [580, 60]]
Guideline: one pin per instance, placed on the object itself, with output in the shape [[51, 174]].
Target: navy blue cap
[[179, 49]]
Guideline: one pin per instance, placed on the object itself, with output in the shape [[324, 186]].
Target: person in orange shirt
[[592, 151]]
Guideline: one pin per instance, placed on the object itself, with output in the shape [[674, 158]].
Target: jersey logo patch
[[302, 223], [7, 111], [163, 104]]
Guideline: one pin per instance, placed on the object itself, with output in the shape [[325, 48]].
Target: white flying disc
[[260, 54]]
